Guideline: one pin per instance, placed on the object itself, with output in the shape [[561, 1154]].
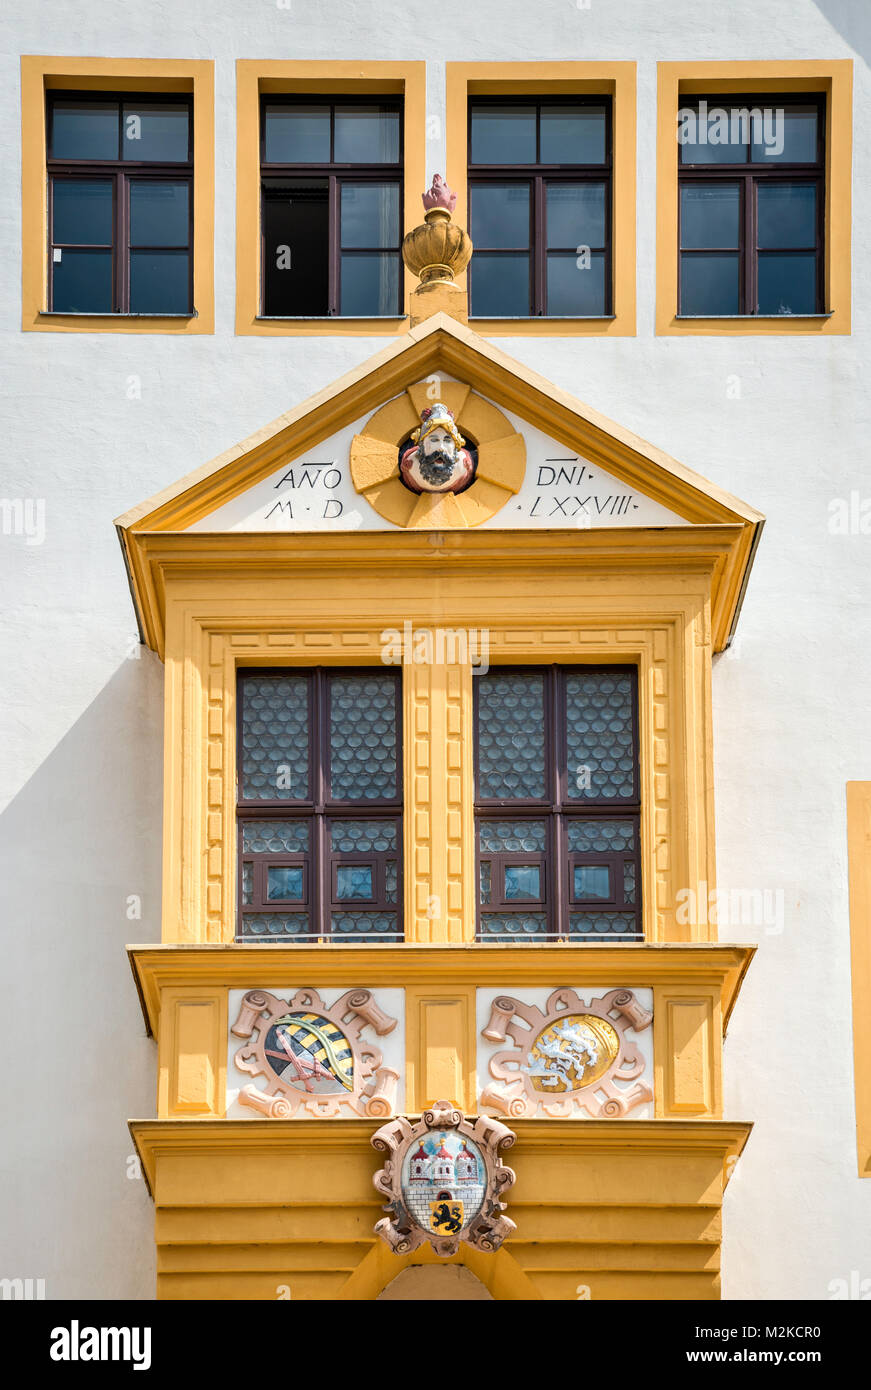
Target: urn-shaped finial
[[437, 250]]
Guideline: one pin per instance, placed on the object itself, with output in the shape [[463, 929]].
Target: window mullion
[[334, 253], [121, 249]]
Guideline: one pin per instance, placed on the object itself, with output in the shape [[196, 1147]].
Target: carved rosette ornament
[[570, 1056], [443, 1178], [313, 1056]]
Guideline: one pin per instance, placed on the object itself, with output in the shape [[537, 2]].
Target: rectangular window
[[319, 806], [540, 207], [751, 206], [331, 207], [120, 204], [557, 803]]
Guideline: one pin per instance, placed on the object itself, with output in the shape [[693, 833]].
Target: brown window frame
[[319, 810], [557, 899], [750, 175], [537, 176], [336, 176], [122, 172]]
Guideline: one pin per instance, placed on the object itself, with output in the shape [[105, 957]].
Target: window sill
[[749, 318], [330, 318], [542, 318], [86, 314]]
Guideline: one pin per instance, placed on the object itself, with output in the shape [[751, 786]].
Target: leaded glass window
[[557, 803], [319, 805]]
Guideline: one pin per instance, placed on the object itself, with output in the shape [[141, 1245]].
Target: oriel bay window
[[557, 803], [120, 204], [331, 179], [752, 203], [540, 207], [319, 805]]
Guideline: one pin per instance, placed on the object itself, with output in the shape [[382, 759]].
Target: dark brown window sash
[[121, 172], [320, 898], [336, 175], [750, 176], [558, 810], [536, 176]]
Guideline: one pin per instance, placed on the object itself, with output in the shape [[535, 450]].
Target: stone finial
[[437, 250], [439, 196]]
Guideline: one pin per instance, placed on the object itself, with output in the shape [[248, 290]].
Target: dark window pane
[[517, 924], [354, 881], [82, 282], [601, 836], [788, 136], [787, 284], [572, 135], [247, 884], [275, 748], [275, 924], [499, 285], [512, 836], [275, 836], [712, 134], [500, 215], [603, 924], [710, 214], [362, 836], [155, 132], [575, 215], [600, 735], [511, 736], [628, 881], [486, 880], [160, 282], [592, 881], [709, 283], [297, 134], [296, 245], [787, 214], [366, 926], [84, 130], [574, 288], [370, 284], [370, 214], [503, 135], [82, 211], [522, 881], [159, 213], [366, 135], [363, 741], [283, 882]]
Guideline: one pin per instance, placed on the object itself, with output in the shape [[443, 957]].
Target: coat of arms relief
[[565, 1056]]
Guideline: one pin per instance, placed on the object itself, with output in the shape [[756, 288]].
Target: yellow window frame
[[676, 82], [42, 73], [616, 80], [255, 78]]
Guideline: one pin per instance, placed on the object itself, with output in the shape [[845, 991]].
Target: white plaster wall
[[80, 721]]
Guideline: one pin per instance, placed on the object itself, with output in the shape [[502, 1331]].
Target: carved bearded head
[[436, 460]]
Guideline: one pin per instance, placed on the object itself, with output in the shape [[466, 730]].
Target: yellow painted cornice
[[440, 345], [722, 551], [242, 966], [195, 1139]]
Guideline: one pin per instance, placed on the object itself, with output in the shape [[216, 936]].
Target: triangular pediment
[[543, 460]]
